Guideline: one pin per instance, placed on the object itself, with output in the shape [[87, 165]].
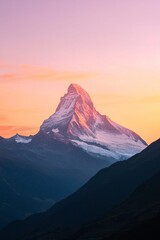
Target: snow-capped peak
[[73, 114], [77, 120], [75, 88]]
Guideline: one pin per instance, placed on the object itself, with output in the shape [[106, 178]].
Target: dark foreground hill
[[96, 199], [143, 213], [136, 218], [35, 175]]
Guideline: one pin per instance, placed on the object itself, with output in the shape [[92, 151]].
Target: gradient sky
[[109, 47]]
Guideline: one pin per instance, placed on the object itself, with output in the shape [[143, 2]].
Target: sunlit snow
[[20, 139], [77, 120]]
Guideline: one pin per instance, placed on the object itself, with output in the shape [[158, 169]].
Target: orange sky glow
[[112, 50]]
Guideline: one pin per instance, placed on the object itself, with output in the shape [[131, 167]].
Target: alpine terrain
[[114, 204], [76, 120], [71, 146]]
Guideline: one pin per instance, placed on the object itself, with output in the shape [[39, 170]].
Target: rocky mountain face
[[72, 145], [77, 121]]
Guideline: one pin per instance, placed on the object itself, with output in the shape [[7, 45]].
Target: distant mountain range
[[72, 145], [117, 203]]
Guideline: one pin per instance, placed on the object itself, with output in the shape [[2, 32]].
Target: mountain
[[20, 139], [71, 146], [135, 218], [96, 199], [36, 174], [140, 214], [76, 120]]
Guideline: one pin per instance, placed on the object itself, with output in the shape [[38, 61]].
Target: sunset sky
[[110, 47]]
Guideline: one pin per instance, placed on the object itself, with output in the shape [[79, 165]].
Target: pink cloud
[[27, 72]]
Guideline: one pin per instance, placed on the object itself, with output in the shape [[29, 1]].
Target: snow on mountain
[[119, 147], [74, 115], [76, 120], [20, 139]]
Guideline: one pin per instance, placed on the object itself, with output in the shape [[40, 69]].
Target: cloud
[[8, 76], [27, 72]]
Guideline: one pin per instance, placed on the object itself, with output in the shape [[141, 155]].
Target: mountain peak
[[77, 120], [73, 114], [79, 91], [73, 87]]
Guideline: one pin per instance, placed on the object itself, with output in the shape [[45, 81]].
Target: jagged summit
[[76, 116], [73, 114], [78, 90], [77, 120], [75, 88]]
